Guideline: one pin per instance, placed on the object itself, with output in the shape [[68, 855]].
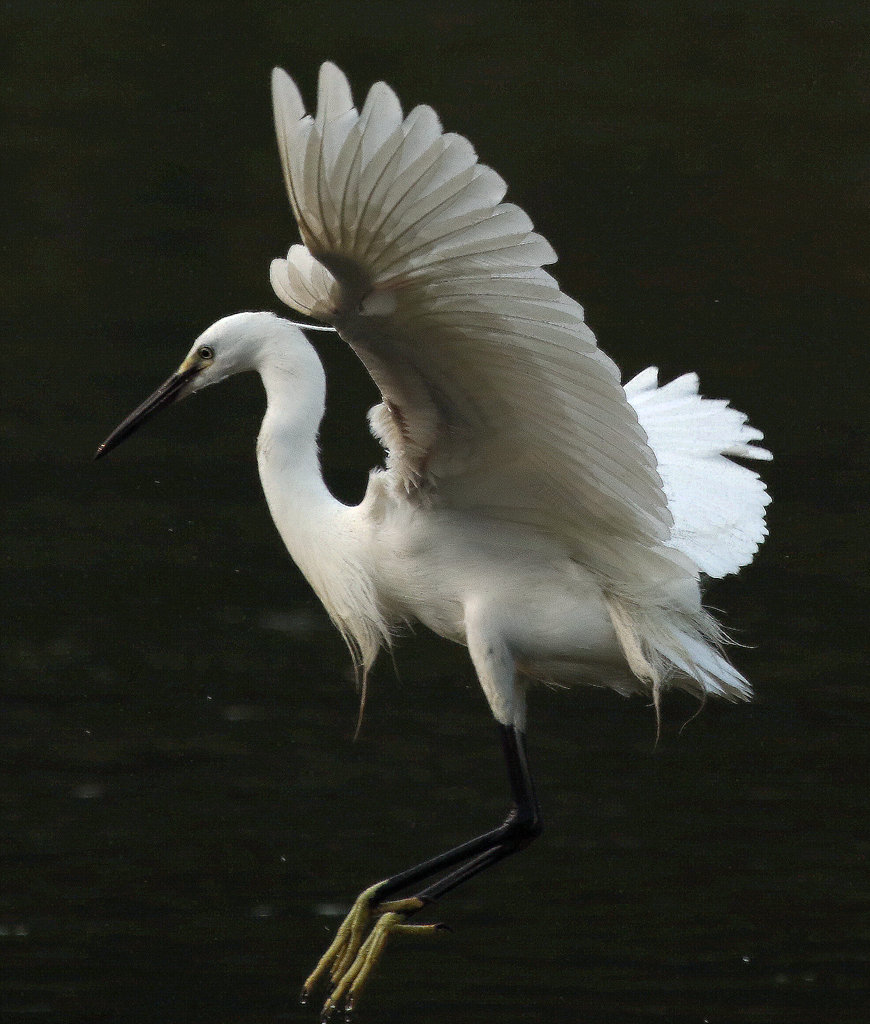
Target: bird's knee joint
[[530, 827], [535, 827], [524, 826]]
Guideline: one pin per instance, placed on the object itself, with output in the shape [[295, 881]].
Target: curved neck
[[319, 531], [325, 538], [288, 456]]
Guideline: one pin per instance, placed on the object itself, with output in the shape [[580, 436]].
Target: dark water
[[182, 810]]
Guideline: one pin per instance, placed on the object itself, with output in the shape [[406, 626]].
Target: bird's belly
[[549, 610]]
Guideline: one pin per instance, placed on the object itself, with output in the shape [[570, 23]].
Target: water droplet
[[89, 791], [331, 909]]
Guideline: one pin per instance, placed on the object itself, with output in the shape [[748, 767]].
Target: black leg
[[522, 825], [359, 942]]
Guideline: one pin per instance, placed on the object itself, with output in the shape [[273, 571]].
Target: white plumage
[[717, 505], [531, 508], [498, 404]]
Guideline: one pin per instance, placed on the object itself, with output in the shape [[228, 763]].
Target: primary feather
[[497, 401], [438, 286]]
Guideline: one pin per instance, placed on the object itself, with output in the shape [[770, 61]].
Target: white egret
[[531, 508]]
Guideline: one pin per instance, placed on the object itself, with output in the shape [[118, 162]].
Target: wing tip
[[333, 91], [286, 99], [383, 102]]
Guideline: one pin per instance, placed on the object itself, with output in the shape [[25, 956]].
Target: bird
[[556, 522]]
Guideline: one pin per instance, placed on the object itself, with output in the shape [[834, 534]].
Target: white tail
[[717, 505]]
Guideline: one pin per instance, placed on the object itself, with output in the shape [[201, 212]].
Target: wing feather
[[496, 396]]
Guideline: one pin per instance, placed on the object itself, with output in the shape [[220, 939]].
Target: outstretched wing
[[496, 396]]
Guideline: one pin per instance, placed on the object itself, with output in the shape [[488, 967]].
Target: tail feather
[[718, 510], [718, 506], [676, 647]]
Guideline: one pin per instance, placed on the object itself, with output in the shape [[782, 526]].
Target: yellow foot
[[352, 956]]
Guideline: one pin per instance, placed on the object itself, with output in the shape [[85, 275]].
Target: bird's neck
[[304, 510], [325, 538]]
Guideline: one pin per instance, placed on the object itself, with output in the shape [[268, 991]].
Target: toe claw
[[304, 996], [357, 947]]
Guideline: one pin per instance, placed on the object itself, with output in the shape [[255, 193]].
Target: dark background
[[182, 810]]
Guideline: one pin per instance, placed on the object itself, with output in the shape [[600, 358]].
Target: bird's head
[[232, 345]]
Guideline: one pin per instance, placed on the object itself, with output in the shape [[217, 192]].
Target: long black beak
[[168, 392]]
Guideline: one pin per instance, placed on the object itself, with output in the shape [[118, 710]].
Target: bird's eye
[[206, 353]]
